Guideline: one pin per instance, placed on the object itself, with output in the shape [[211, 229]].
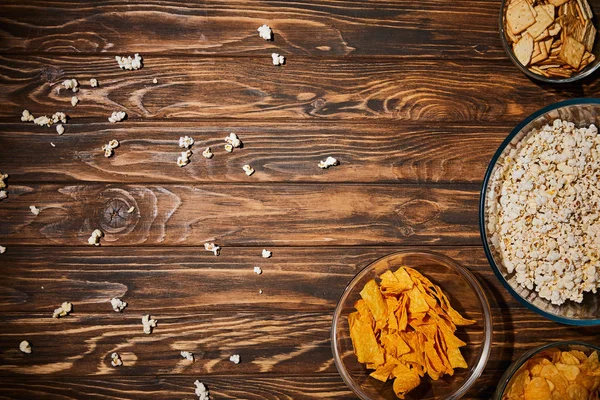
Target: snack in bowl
[[404, 327], [552, 38]]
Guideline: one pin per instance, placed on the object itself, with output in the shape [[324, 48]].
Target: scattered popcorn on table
[[257, 270], [277, 59], [3, 194], [25, 347], [265, 32], [260, 291], [109, 147], [117, 304], [93, 82], [248, 169], [117, 116], [184, 159], [212, 247], [329, 162], [52, 144], [74, 101], [130, 63], [2, 249], [235, 358], [207, 153], [228, 148], [201, 391], [43, 120], [60, 129], [116, 360], [34, 210], [186, 142], [155, 81], [59, 117], [71, 84], [94, 239], [62, 311], [149, 324], [3, 177], [27, 116], [233, 140], [188, 355], [131, 209], [266, 253]]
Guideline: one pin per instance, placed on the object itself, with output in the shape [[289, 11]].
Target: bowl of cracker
[[554, 41], [412, 325]]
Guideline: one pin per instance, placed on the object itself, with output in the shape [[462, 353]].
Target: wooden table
[[412, 97]]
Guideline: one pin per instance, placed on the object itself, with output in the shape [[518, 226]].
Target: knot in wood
[[115, 216], [50, 74]]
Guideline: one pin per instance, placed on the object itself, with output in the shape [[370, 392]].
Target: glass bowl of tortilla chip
[[560, 370], [428, 335]]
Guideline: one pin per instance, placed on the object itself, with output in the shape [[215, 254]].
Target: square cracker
[[519, 17], [572, 52], [557, 3], [542, 22]]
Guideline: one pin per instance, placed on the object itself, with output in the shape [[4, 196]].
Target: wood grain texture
[[316, 28], [372, 152], [311, 214], [229, 88]]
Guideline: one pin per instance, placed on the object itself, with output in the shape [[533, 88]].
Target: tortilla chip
[[406, 380], [365, 344], [374, 300]]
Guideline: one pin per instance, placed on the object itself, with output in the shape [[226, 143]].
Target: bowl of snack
[[554, 41], [412, 325], [556, 371], [538, 212]]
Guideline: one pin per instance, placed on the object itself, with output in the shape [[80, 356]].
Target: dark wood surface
[[413, 98]]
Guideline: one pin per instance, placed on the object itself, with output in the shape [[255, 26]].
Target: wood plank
[[317, 28], [189, 215], [230, 88], [37, 279], [281, 152]]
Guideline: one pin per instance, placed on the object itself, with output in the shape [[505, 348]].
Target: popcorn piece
[[60, 129], [235, 358], [117, 304], [2, 178], [52, 144], [228, 148], [184, 159], [155, 81], [257, 270], [116, 360], [34, 210], [59, 117], [201, 391], [2, 249], [131, 209], [71, 84], [109, 147], [265, 32], [74, 101], [27, 116], [25, 347], [329, 162], [62, 311], [117, 116], [3, 194], [207, 153], [149, 324], [212, 247], [93, 82], [260, 291], [266, 253], [43, 120], [233, 140], [188, 355], [186, 142], [248, 169], [277, 59], [130, 63], [94, 239]]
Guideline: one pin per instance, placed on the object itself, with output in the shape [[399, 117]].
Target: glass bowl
[[521, 361], [581, 112], [466, 296], [595, 5]]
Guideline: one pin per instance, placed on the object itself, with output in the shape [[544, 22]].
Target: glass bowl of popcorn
[[561, 370], [538, 212], [418, 348]]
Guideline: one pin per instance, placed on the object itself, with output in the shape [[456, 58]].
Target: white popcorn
[[109, 147], [277, 59], [186, 142], [34, 210], [3, 177], [60, 129], [216, 250], [188, 355], [266, 253], [155, 81], [248, 169], [148, 324], [131, 209], [64, 310], [117, 304], [257, 270], [27, 116], [93, 82], [207, 153], [25, 347], [59, 117], [260, 291], [228, 148], [117, 116], [184, 158], [235, 358], [201, 391], [265, 32], [43, 120], [116, 360], [2, 249], [94, 239], [74, 101], [3, 194], [329, 162], [233, 140], [71, 84], [130, 63]]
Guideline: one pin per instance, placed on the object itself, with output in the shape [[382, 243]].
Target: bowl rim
[[516, 365], [482, 199], [583, 74], [467, 275]]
